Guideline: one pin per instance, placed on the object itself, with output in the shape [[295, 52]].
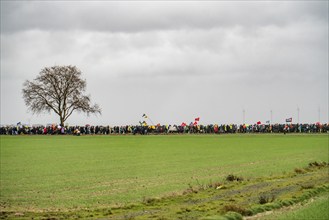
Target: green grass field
[[316, 209], [51, 173]]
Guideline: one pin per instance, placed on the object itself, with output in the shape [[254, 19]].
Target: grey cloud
[[272, 50], [138, 16], [172, 60]]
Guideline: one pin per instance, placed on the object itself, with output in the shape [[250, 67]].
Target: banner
[[289, 120]]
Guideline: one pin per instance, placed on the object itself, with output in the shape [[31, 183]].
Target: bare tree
[[59, 89]]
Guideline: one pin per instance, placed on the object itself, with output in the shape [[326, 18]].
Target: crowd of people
[[163, 129]]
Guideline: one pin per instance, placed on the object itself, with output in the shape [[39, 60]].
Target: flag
[[289, 120], [258, 122], [197, 119]]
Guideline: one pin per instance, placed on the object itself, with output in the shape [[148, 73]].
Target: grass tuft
[[307, 186], [149, 201], [300, 171], [233, 216], [317, 164], [265, 198], [237, 209], [232, 178]]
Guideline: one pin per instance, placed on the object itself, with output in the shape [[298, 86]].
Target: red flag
[[258, 122], [197, 119]]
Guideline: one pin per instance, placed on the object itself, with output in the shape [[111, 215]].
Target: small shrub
[[307, 186], [287, 202], [183, 210], [258, 209], [317, 164], [237, 209], [149, 201], [265, 198], [233, 216], [215, 185], [107, 212], [262, 199], [300, 171], [232, 178], [190, 191], [276, 205]]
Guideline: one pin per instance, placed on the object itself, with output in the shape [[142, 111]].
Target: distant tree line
[[163, 129]]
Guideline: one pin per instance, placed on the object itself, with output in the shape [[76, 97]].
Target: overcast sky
[[173, 60]]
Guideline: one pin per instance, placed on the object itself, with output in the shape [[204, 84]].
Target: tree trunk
[[62, 121]]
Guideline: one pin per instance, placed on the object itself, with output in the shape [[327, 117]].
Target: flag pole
[[150, 120], [146, 116]]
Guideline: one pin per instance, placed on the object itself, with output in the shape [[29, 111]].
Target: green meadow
[[72, 173], [317, 210]]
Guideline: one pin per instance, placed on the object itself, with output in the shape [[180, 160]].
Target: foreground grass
[[231, 198], [315, 209], [65, 173]]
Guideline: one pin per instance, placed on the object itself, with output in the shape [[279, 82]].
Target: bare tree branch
[[59, 89]]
